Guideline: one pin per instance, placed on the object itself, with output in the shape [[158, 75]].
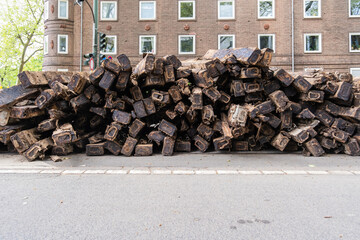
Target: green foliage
[[21, 38], [187, 10]]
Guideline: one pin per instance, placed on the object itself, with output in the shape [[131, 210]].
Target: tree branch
[[38, 50]]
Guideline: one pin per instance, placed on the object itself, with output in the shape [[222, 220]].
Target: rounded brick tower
[[59, 35]]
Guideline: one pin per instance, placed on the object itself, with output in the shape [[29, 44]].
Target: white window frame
[[226, 35], [67, 9], [46, 45], [273, 5], [320, 42], [140, 50], [154, 18], [352, 69], [352, 16], [194, 45], [63, 70], [115, 42], [67, 43], [319, 1], [46, 10], [179, 10], [233, 12], [350, 34], [268, 35], [108, 19]]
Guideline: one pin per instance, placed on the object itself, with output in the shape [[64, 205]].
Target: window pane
[[147, 10], [110, 45], [186, 44], [355, 7], [355, 42], [355, 72], [62, 44], [63, 9], [108, 10], [312, 43], [147, 44], [226, 10], [187, 10], [312, 8], [266, 42], [226, 42], [266, 9]]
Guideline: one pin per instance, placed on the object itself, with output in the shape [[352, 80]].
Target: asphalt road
[[50, 206]]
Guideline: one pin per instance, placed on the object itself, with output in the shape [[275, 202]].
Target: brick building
[[319, 33]]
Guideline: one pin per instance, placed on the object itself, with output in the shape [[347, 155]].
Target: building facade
[[306, 34]]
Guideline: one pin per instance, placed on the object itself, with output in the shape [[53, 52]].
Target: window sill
[[312, 52], [187, 20], [226, 20], [266, 19], [148, 20], [108, 20], [312, 18]]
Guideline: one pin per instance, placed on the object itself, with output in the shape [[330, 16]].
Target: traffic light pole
[[95, 32]]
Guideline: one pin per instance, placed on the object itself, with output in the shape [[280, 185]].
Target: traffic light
[[102, 57], [88, 57], [102, 42]]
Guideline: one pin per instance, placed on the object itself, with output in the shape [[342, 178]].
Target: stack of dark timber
[[229, 100]]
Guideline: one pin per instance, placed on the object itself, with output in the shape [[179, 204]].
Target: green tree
[[21, 38]]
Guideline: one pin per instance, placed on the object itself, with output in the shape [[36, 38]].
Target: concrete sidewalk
[[252, 162]]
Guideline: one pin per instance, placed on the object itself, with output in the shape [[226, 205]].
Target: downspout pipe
[[81, 37], [292, 38]]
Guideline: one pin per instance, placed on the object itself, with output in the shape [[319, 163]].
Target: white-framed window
[[354, 8], [63, 70], [187, 10], [62, 44], [46, 45], [147, 44], [312, 43], [312, 8], [187, 44], [266, 9], [147, 10], [46, 10], [108, 10], [355, 72], [266, 41], [226, 41], [354, 42], [111, 43], [63, 9], [226, 9]]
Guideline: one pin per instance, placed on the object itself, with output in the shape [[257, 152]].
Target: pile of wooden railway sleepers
[[229, 100]]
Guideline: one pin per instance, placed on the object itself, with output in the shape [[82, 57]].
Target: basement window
[[186, 10], [355, 72], [266, 9], [312, 9], [354, 42], [46, 45], [354, 8], [147, 10], [147, 44], [187, 44], [108, 10], [226, 41], [110, 45], [266, 41], [63, 44], [226, 9], [63, 9], [312, 43]]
